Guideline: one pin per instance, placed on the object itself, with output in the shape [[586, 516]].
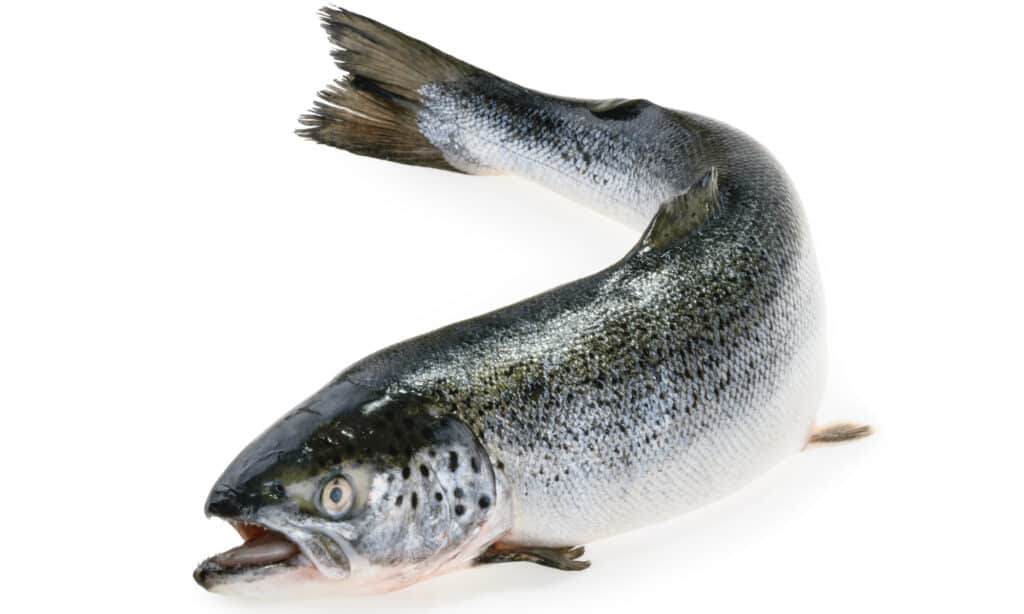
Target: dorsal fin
[[678, 217]]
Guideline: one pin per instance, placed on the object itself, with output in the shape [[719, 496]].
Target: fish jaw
[[266, 559], [283, 553]]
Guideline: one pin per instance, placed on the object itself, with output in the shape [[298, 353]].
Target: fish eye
[[336, 497]]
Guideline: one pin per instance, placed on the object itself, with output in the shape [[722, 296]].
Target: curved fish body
[[652, 387]]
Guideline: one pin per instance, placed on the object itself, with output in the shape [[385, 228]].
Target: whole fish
[[663, 382]]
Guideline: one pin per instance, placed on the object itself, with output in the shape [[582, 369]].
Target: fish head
[[355, 490]]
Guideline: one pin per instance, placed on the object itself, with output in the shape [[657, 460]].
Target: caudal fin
[[372, 111]]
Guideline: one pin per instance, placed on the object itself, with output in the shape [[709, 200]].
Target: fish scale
[[490, 124], [708, 414]]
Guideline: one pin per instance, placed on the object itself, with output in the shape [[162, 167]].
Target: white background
[[178, 269]]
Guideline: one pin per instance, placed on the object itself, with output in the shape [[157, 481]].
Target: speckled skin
[[657, 384]]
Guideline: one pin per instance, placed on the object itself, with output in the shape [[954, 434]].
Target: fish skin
[[662, 382], [640, 392], [652, 387]]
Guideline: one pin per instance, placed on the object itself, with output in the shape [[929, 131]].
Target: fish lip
[[213, 571], [209, 574]]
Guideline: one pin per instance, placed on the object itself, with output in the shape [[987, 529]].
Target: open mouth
[[264, 552]]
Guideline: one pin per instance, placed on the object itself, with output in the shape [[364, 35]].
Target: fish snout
[[226, 501]]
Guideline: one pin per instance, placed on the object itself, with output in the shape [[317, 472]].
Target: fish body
[[652, 387], [627, 397]]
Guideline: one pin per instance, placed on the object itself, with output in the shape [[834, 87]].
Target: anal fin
[[839, 432]]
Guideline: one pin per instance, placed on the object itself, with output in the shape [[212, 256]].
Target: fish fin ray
[[683, 214], [839, 432], [566, 559], [372, 111]]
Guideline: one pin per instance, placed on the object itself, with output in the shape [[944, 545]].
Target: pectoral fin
[[566, 559]]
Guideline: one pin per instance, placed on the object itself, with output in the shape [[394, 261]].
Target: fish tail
[[405, 101], [372, 111]]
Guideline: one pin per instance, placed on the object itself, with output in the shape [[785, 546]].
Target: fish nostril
[[223, 501]]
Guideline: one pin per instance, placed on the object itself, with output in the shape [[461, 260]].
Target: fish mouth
[[264, 553]]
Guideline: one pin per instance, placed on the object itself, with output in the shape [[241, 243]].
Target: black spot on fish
[[398, 501], [405, 473], [484, 502], [438, 496], [475, 464], [424, 471], [458, 492], [414, 499], [460, 509], [453, 461]]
